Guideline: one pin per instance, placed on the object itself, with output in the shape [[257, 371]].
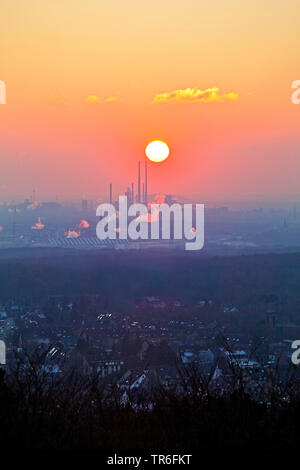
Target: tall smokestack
[[146, 183], [143, 193], [110, 193], [139, 182], [132, 193]]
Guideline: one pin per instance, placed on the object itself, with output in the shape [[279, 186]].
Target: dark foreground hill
[[77, 416]]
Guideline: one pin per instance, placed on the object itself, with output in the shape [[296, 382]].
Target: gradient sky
[[82, 77]]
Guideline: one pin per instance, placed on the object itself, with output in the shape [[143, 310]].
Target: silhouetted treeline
[[40, 411]]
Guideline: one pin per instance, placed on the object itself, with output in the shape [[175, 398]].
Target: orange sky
[[90, 83]]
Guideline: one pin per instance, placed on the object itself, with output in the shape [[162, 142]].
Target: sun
[[157, 151]]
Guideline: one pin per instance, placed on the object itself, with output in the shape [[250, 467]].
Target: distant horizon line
[[220, 199]]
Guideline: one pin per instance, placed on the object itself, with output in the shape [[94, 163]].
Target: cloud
[[195, 95], [92, 99], [95, 99], [110, 99]]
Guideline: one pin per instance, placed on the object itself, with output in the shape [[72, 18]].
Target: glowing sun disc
[[157, 151]]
